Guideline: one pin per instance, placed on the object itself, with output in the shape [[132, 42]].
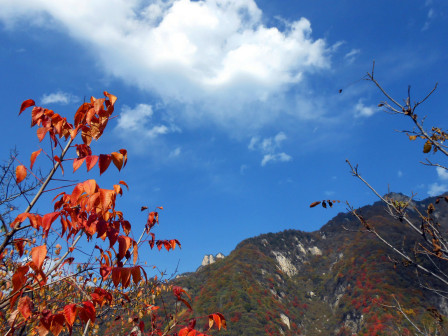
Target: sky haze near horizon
[[230, 109]]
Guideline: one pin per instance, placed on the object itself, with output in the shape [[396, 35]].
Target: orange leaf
[[218, 319], [90, 187], [38, 255], [27, 103], [104, 162], [135, 251], [124, 183], [41, 132], [117, 159], [106, 198], [312, 205], [34, 155], [20, 173], [111, 97], [70, 312], [77, 163], [77, 191], [173, 243]]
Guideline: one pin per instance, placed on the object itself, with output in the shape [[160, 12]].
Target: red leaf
[[151, 242], [116, 276], [87, 312], [104, 162], [105, 271], [18, 243], [136, 275], [57, 159], [25, 307], [20, 173], [57, 324], [77, 191], [48, 219], [19, 279], [38, 255], [70, 312], [124, 152], [34, 155], [123, 245], [91, 161], [27, 103], [125, 277]]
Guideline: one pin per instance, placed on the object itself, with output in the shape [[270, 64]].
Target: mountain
[[338, 280]]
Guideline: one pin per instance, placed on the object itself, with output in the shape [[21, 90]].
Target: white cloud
[[135, 121], [362, 110], [442, 173], [436, 189], [214, 54], [351, 55], [282, 157], [268, 147], [400, 173], [175, 152], [59, 97]]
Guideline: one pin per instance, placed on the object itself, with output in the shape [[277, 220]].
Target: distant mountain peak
[[210, 259]]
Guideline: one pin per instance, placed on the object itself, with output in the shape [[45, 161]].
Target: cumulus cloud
[[136, 122], [59, 97], [442, 173], [436, 189], [269, 147], [215, 54], [362, 110], [281, 157]]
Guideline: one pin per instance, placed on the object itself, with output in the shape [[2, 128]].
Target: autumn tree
[[426, 248], [77, 267]]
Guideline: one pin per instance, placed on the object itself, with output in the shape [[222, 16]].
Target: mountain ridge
[[332, 281]]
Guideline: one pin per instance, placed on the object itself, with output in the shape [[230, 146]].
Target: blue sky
[[230, 109]]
